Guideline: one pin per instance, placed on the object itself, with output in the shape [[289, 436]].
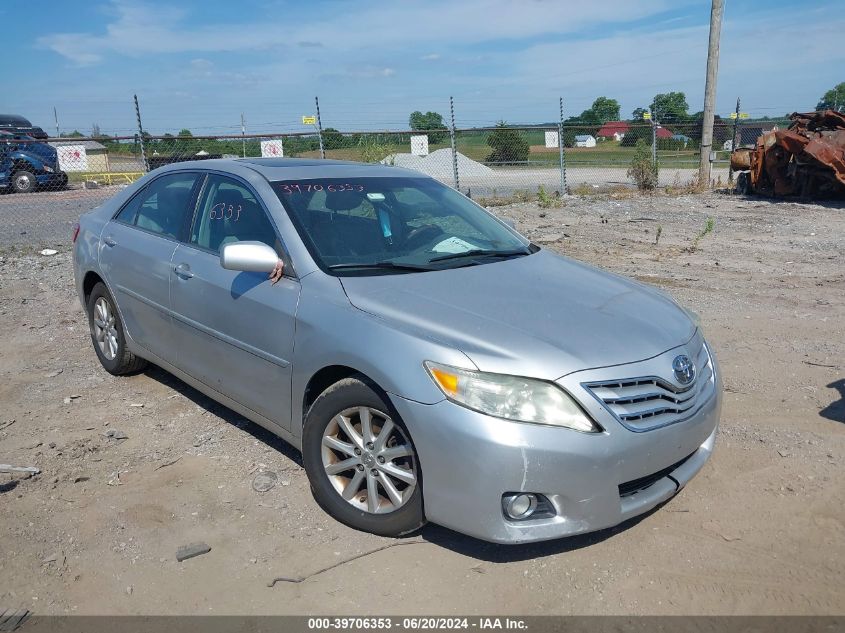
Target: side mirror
[[251, 257]]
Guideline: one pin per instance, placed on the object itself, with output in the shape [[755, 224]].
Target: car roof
[[14, 119], [274, 169]]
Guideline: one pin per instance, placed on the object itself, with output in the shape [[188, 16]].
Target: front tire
[[108, 335], [360, 461], [24, 181]]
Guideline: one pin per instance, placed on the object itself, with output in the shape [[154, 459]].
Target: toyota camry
[[429, 361]]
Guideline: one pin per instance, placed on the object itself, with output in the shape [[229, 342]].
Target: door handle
[[109, 241], [184, 271]]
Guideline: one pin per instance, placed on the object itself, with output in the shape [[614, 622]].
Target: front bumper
[[469, 460]]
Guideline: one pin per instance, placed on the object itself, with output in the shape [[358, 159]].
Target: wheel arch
[[20, 164], [90, 280], [324, 378]]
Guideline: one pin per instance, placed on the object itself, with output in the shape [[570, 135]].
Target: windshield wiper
[[481, 252], [380, 265]]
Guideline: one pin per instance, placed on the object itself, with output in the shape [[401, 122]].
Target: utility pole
[[319, 128], [734, 142], [243, 133], [717, 9], [56, 117]]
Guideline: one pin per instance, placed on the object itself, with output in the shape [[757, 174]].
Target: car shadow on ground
[[828, 203], [499, 553], [836, 410], [430, 533], [223, 412]]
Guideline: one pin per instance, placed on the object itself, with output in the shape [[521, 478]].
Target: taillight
[[75, 233]]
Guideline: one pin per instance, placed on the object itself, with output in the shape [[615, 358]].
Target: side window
[[130, 209], [162, 206], [228, 212]]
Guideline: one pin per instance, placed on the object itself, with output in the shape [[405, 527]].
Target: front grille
[[636, 485], [650, 402]]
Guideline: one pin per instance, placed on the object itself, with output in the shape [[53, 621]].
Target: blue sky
[[199, 64]]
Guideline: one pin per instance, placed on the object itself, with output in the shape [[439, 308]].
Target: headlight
[[48, 169], [511, 397]]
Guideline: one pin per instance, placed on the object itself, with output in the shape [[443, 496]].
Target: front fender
[[33, 163], [331, 331]]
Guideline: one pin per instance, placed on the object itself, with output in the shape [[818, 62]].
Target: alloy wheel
[[105, 330], [369, 460], [23, 182]]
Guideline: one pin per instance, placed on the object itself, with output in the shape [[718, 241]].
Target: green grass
[[597, 157]]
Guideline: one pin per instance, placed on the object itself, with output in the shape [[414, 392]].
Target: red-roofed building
[[662, 132], [614, 129]]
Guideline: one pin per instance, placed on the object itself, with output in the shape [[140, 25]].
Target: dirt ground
[[760, 530]]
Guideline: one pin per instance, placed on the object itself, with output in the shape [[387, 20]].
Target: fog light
[[520, 506]]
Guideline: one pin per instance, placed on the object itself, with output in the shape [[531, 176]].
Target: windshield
[[393, 225]]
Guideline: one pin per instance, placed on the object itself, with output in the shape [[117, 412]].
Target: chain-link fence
[[62, 177]]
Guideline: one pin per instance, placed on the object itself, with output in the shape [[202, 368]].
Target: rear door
[[234, 330], [136, 248]]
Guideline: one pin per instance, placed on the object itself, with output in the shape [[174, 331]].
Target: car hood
[[542, 316], [41, 151]]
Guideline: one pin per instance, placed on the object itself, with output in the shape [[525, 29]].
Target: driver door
[[234, 329]]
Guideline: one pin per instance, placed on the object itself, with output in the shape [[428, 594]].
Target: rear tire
[[24, 181], [743, 184], [108, 335], [360, 460]]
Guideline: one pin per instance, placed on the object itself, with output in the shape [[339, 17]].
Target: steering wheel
[[422, 234]]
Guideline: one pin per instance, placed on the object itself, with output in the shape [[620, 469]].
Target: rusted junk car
[[807, 159]]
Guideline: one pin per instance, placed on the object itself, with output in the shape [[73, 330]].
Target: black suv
[[18, 125]]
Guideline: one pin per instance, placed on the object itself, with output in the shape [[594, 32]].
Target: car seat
[[169, 213], [237, 219], [342, 234]]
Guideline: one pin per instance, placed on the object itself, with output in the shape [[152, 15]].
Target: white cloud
[[139, 28], [206, 71], [201, 66], [506, 59], [634, 65], [363, 71]]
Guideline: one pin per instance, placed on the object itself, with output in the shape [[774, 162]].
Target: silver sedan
[[429, 361]]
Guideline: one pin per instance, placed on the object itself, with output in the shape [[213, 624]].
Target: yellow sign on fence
[[309, 120], [646, 116]]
